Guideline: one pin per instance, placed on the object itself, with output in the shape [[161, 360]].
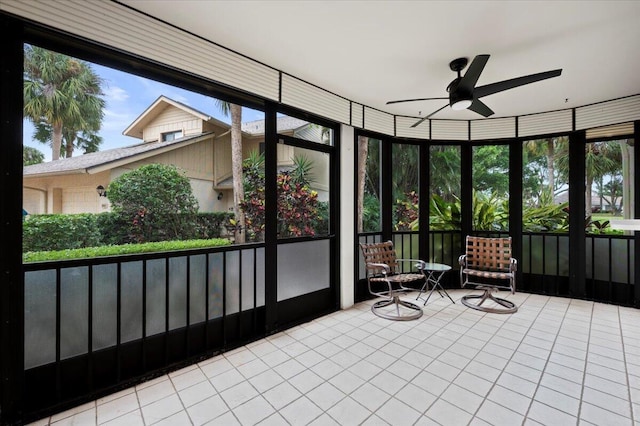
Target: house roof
[[284, 123], [96, 161], [158, 106]]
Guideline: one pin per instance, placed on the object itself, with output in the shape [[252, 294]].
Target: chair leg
[[412, 310], [508, 306]]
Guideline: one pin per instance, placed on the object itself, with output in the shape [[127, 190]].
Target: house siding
[[171, 120], [74, 193]]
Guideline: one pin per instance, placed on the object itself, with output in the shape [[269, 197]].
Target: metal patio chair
[[488, 265], [386, 279]]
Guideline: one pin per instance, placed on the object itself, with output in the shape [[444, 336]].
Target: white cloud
[[115, 94]]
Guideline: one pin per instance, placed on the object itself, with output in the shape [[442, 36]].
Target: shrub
[[114, 228], [210, 223], [42, 256], [157, 201], [60, 231]]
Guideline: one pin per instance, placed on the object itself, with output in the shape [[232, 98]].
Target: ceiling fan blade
[[419, 122], [468, 82], [481, 108], [414, 100], [492, 88]]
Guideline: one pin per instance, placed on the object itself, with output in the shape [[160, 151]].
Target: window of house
[[171, 136]]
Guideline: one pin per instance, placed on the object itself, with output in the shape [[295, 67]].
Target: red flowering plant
[[297, 207], [297, 203]]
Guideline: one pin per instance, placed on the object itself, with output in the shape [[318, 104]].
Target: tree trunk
[[587, 198], [363, 153], [550, 165], [236, 170], [57, 141], [69, 148], [627, 179]]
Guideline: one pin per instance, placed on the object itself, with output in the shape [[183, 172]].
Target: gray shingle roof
[[84, 162], [284, 123]]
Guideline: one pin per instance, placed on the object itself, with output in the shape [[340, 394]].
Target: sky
[[126, 97]]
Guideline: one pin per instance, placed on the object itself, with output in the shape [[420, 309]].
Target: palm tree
[[235, 111], [61, 92], [87, 140], [31, 156]]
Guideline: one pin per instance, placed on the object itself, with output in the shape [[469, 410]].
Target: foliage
[[299, 211], [546, 218], [371, 213], [31, 156], [443, 215], [114, 228], [406, 172], [59, 231], [89, 252], [301, 171], [209, 224], [62, 98], [253, 204], [490, 212], [157, 201], [444, 167], [297, 206], [491, 169], [406, 211]]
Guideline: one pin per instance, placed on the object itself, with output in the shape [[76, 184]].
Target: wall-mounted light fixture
[[101, 191], [220, 194]]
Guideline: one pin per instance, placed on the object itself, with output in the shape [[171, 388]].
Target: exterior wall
[[170, 120], [65, 194], [207, 197], [195, 159], [222, 157]]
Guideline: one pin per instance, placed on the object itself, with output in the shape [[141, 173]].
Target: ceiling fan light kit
[[463, 93]]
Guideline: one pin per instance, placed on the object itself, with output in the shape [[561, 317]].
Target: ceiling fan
[[463, 93]]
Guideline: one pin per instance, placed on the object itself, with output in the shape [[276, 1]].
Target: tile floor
[[556, 361]]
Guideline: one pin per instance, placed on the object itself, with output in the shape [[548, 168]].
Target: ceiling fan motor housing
[[459, 98]]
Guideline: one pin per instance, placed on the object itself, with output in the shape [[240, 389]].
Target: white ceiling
[[375, 51]]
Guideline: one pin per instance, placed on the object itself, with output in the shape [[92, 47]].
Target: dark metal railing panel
[[156, 297], [215, 284], [545, 254], [40, 320], [445, 247], [610, 275], [74, 311], [610, 258], [131, 279], [104, 306], [114, 319]]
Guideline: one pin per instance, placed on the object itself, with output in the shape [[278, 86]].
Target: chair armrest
[[385, 268], [462, 260], [514, 265]]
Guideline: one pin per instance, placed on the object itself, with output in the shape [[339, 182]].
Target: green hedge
[[60, 231], [90, 252], [72, 231]]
